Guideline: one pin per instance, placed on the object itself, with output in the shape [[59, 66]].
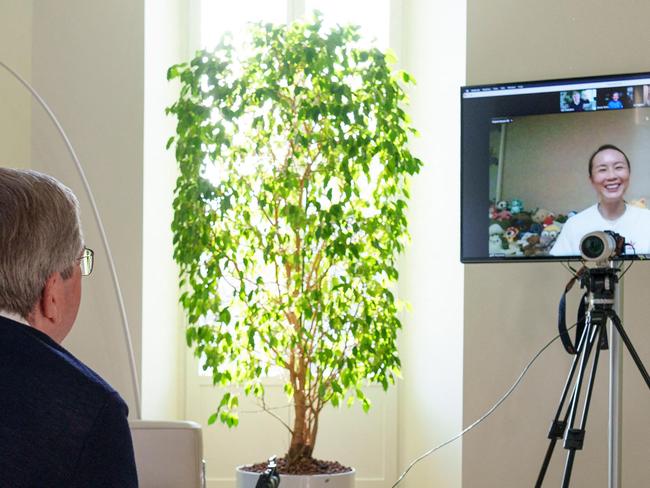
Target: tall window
[[372, 15], [216, 17], [220, 16]]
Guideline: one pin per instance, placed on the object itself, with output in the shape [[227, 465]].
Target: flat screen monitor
[[526, 189]]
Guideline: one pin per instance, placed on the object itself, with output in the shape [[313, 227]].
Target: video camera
[[602, 246]]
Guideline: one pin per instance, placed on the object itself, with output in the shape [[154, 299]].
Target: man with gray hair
[[61, 425]]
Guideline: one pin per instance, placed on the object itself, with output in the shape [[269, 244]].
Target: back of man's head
[[40, 235]]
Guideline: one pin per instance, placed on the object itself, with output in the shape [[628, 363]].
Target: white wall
[[510, 310], [15, 52], [88, 64], [431, 279], [166, 26]]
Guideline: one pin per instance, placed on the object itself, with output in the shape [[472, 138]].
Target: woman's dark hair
[[604, 147]]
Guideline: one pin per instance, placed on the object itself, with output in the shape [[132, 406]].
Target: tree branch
[[272, 414]]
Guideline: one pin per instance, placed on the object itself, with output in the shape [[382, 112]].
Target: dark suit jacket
[[61, 424]]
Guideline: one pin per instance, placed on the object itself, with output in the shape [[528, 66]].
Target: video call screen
[[525, 150]]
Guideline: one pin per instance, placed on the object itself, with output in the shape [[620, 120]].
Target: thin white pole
[[615, 379], [111, 262], [502, 155]]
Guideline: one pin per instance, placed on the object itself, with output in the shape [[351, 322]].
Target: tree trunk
[[298, 452], [302, 445]]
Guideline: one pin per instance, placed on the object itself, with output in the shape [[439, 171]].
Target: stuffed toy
[[523, 238], [548, 236], [532, 246], [639, 202], [495, 245], [540, 215], [511, 234], [521, 220], [495, 229], [550, 218], [561, 219], [516, 206], [502, 205], [513, 249], [493, 211]]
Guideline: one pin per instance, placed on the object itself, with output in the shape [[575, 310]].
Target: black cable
[[570, 268], [626, 270], [487, 414]]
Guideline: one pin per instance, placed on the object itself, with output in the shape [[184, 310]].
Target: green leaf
[[365, 404], [224, 316]]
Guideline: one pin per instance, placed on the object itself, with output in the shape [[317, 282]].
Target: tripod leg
[[574, 438], [558, 426], [567, 469], [628, 343], [592, 377], [556, 432]]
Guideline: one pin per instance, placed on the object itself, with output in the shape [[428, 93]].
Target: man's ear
[[49, 311], [50, 298]]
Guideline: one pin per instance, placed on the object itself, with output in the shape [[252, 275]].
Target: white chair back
[[168, 454]]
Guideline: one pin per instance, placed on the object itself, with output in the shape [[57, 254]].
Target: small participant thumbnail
[[578, 100], [616, 98]]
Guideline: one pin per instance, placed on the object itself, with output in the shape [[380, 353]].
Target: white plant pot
[[246, 479]]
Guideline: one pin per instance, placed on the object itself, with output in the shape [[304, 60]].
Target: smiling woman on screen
[[609, 174]]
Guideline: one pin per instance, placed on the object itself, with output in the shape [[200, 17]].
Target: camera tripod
[[600, 284]]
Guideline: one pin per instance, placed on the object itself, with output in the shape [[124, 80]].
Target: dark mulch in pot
[[304, 466]]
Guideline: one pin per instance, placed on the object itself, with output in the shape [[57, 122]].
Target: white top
[[14, 317], [633, 225]]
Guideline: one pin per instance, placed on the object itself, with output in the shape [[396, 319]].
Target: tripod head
[[600, 283], [596, 305], [601, 248]]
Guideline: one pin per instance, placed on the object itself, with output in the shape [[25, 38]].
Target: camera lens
[[592, 247]]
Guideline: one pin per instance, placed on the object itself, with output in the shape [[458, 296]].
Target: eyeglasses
[[86, 261]]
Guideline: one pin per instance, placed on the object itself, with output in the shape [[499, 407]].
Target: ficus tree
[[290, 214]]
